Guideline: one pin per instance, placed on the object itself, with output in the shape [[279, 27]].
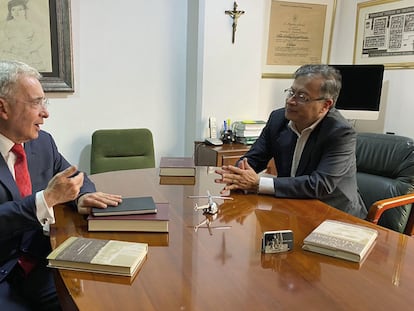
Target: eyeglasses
[[40, 103], [299, 97]]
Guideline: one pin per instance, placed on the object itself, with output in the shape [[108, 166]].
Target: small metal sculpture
[[210, 211], [211, 207], [235, 14]]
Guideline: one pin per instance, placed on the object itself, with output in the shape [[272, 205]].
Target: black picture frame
[[39, 34], [60, 79]]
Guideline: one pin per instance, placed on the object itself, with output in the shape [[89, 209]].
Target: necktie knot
[[18, 150], [21, 171]]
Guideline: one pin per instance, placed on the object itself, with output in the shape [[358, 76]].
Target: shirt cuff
[[44, 213], [266, 185]]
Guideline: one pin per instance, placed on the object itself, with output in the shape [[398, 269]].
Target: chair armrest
[[379, 207]]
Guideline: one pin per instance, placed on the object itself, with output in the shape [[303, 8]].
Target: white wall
[[134, 67], [230, 73], [129, 68]]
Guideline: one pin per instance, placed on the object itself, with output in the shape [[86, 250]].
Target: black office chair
[[385, 176], [121, 149]]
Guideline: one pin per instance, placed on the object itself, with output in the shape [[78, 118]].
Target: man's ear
[[4, 109], [328, 104]]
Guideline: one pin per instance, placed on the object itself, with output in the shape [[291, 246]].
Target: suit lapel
[[306, 155], [29, 154], [6, 178], [286, 141]]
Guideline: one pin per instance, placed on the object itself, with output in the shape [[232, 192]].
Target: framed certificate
[[385, 33], [296, 33]]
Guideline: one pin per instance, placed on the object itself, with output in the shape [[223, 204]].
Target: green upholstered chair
[[385, 176], [121, 149]]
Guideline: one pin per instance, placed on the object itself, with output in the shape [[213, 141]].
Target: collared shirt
[[44, 213], [266, 185]]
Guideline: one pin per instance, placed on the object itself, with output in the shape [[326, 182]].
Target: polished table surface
[[224, 269]]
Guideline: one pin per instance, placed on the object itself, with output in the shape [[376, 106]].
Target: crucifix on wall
[[235, 14]]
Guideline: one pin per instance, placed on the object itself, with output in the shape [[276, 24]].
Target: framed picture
[[296, 33], [385, 33], [38, 33]]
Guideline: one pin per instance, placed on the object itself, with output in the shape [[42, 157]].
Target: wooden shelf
[[226, 154]]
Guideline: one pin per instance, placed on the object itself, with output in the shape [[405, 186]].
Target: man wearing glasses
[[34, 177], [312, 144]]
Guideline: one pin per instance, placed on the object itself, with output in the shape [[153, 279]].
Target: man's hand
[[97, 199], [63, 187], [242, 177]]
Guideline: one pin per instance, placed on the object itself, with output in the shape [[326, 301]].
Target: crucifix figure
[[235, 16]]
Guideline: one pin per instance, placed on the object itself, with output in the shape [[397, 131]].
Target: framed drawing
[[296, 33], [38, 33], [385, 33]]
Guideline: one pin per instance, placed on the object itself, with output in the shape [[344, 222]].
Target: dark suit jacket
[[327, 168], [20, 230]]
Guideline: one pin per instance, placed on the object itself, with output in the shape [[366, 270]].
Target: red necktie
[[21, 171], [24, 184]]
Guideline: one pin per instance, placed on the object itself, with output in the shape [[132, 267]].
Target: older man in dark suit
[[312, 144], [26, 211]]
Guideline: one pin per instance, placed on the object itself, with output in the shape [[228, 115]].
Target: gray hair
[[11, 72], [332, 84]]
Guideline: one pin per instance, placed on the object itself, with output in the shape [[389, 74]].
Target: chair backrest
[[121, 149], [385, 169]]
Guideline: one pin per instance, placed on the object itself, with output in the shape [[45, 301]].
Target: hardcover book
[[248, 133], [157, 222], [343, 240], [129, 206], [177, 166], [177, 180], [249, 125], [101, 256]]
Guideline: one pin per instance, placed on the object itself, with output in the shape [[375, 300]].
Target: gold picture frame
[[296, 33], [38, 32], [384, 33]]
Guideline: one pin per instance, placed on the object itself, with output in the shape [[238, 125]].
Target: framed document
[[296, 33], [385, 33], [37, 32]]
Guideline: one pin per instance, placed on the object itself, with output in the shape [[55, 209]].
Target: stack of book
[[246, 132], [139, 214], [177, 171]]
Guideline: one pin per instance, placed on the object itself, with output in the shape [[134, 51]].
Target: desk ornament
[[210, 211], [277, 241]]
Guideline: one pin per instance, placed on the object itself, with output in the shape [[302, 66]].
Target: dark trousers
[[35, 292]]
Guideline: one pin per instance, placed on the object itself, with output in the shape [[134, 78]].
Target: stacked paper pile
[[246, 132]]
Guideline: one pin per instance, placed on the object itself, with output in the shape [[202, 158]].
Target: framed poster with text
[[385, 33]]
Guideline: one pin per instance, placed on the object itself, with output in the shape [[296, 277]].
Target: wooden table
[[189, 270]]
